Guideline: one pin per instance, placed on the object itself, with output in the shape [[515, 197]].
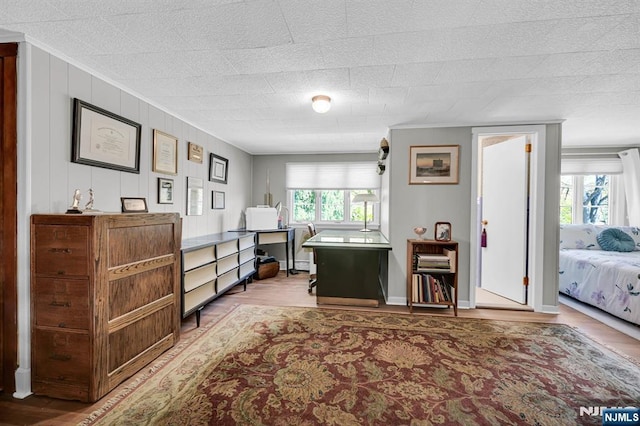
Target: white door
[[504, 207]]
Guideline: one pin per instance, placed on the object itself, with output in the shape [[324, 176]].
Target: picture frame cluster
[[101, 138]]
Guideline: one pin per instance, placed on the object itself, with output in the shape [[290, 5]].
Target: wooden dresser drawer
[[62, 250], [62, 302], [61, 356]]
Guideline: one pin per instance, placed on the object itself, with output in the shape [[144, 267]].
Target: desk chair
[[312, 281]]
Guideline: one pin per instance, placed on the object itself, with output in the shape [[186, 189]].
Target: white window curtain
[[335, 175], [631, 174]]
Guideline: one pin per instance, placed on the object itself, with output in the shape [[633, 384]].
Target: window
[[334, 206], [592, 190], [323, 192], [585, 199]]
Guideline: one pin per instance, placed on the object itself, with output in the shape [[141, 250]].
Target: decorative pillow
[[614, 239], [578, 237], [633, 232]]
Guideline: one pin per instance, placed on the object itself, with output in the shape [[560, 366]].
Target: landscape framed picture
[[218, 168], [434, 164], [104, 139]]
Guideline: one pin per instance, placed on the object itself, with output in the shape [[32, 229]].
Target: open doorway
[[506, 196]]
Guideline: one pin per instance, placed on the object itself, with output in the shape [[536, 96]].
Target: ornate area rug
[[298, 366]]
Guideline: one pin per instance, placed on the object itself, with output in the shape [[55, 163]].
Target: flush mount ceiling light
[[321, 103]]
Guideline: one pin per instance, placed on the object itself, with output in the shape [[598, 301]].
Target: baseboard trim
[[399, 301], [23, 383], [550, 309]]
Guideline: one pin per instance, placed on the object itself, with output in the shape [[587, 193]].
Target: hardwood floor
[[292, 291]]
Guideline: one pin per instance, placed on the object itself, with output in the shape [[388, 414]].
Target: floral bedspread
[[608, 280]]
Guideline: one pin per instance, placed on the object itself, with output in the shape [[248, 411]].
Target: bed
[[606, 279]]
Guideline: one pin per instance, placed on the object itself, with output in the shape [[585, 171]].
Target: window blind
[[584, 166], [352, 175]]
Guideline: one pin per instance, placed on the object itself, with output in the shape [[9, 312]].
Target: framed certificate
[[165, 153], [104, 139]]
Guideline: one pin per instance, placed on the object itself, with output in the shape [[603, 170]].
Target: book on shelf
[[451, 254], [426, 262], [426, 288]]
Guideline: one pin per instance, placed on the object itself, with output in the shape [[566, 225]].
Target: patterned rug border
[[618, 352], [582, 333], [144, 375], [416, 320]]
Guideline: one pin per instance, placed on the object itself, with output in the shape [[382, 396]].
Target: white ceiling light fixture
[[321, 103]]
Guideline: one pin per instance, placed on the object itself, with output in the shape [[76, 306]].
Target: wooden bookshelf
[[432, 278]]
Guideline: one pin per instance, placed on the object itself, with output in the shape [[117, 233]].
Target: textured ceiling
[[245, 71]]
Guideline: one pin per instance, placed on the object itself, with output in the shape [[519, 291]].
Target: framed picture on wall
[[195, 195], [104, 139], [433, 164], [195, 152], [218, 168], [217, 200], [165, 153], [165, 191]]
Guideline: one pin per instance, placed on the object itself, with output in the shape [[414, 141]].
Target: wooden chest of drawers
[[105, 299]]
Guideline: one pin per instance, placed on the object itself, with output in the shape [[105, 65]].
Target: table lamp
[[365, 198]]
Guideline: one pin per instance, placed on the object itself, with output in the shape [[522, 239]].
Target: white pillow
[[579, 237]]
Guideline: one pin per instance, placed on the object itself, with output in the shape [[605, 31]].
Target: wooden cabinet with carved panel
[[105, 299]]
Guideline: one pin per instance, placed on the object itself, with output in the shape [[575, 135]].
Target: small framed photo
[[165, 153], [195, 153], [165, 191], [218, 168], [217, 200], [433, 164], [442, 231], [134, 205]]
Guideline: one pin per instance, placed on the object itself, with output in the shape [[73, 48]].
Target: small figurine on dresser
[[75, 207], [89, 206]]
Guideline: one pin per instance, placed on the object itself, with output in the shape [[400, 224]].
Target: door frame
[[9, 217], [536, 224]]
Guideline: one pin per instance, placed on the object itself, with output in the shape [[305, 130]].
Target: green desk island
[[351, 267]]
